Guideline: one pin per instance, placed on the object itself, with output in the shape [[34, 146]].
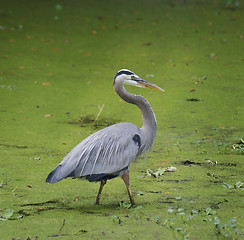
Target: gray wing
[[107, 151]]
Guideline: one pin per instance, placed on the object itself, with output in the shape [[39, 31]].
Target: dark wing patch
[[136, 138], [99, 177]]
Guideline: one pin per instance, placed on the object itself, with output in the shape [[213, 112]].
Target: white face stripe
[[133, 83]]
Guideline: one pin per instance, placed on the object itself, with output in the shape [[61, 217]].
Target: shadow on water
[[31, 209]]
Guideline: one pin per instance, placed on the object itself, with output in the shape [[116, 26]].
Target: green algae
[[58, 63]]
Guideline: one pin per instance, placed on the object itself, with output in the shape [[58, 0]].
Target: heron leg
[[126, 179], [103, 182]]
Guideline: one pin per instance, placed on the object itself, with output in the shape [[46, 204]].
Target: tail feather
[[53, 176]]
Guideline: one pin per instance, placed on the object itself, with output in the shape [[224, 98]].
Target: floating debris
[[59, 7], [190, 163], [36, 158], [100, 110], [160, 171], [8, 214], [239, 145], [150, 75], [147, 44], [8, 87], [89, 120], [194, 100], [208, 161], [211, 55], [236, 186], [199, 79]]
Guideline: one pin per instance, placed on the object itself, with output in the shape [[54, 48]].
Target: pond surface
[[58, 61]]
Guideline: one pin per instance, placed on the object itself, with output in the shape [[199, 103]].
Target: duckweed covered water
[[58, 60]]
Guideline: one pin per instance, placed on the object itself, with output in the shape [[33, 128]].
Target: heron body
[[109, 152]]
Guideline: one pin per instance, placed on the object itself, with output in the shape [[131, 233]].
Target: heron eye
[[132, 77]]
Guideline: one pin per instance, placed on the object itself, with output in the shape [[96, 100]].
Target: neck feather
[[148, 116]]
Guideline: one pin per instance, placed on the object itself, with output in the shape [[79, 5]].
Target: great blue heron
[[109, 152]]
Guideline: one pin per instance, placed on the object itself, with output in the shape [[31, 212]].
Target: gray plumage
[[109, 152]]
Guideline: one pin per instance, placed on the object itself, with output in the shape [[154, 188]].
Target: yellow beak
[[145, 84]]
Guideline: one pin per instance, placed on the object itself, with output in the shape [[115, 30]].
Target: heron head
[[125, 76]]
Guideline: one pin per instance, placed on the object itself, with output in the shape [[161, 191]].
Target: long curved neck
[[148, 116]]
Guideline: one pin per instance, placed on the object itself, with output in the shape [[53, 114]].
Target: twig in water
[[100, 110], [60, 230]]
